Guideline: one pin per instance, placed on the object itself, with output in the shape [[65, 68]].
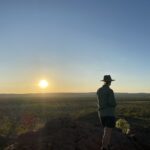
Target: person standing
[[106, 110]]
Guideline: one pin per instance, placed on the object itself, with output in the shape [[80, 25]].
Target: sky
[[73, 43]]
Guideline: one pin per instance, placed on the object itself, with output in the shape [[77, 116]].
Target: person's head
[[107, 83], [107, 80]]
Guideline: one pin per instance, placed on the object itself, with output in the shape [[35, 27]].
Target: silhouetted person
[[106, 110]]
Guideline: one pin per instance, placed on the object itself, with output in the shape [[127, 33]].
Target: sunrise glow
[[43, 84]]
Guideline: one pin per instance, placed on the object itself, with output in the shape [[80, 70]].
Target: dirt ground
[[67, 134]]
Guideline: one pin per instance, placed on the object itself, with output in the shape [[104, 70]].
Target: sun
[[43, 84]]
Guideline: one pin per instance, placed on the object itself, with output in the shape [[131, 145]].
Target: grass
[[23, 113]]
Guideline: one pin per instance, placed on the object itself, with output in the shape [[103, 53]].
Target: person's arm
[[112, 100], [102, 99], [98, 99]]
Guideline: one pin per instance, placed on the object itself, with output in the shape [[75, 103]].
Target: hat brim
[[107, 81]]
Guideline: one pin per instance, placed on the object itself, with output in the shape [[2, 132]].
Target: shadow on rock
[[68, 134]]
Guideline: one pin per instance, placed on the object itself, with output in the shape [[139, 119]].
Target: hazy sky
[[73, 43]]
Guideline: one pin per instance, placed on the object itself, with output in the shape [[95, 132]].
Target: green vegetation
[[136, 111], [22, 113]]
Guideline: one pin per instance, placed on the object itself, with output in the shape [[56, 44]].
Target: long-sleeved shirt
[[106, 101]]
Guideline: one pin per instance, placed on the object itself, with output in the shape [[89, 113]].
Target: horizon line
[[70, 93]]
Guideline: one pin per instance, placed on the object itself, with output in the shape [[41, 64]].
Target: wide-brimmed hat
[[107, 78]]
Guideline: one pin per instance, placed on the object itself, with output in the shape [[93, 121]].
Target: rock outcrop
[[67, 134]]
